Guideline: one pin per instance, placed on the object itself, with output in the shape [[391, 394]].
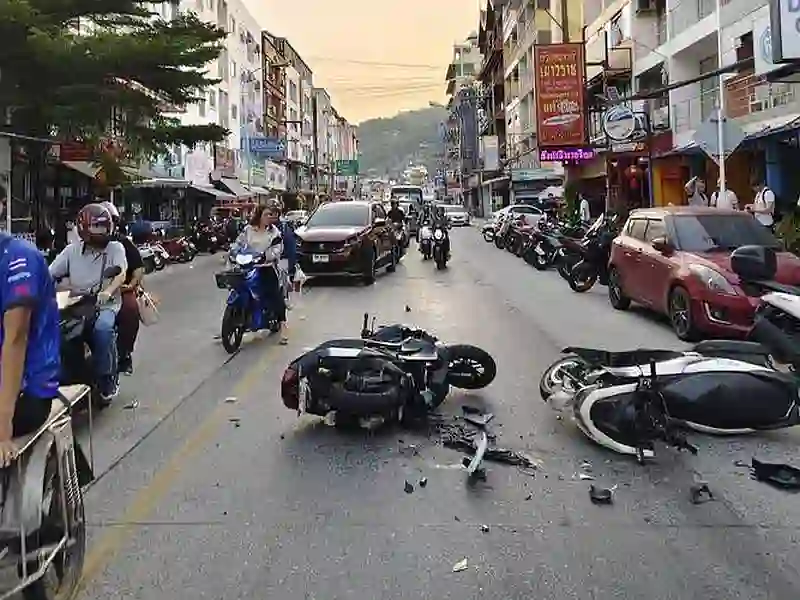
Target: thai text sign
[[567, 154], [559, 89]]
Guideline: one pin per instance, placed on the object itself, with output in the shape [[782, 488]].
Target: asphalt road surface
[[211, 489]]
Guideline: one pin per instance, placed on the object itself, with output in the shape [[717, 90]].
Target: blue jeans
[[104, 343]]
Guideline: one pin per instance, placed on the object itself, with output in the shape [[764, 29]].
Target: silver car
[[457, 216]]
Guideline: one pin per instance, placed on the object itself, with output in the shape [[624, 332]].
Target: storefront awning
[[497, 181], [255, 189], [83, 167], [235, 187], [219, 194], [162, 182], [775, 126]]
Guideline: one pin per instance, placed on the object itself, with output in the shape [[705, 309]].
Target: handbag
[[148, 310]]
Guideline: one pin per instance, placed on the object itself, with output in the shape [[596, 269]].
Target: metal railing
[[688, 13], [687, 114]]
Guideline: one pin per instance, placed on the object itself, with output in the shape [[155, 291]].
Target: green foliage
[[69, 65], [788, 231], [387, 145]]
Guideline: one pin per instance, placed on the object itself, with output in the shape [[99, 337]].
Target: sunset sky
[[329, 35]]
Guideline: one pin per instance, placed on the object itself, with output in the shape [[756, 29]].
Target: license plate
[[320, 258], [539, 251]]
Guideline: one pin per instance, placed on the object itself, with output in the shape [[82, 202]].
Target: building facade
[[322, 151]]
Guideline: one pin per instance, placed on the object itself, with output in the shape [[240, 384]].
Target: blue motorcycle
[[246, 308]]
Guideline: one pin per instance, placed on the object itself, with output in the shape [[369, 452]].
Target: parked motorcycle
[[426, 240], [440, 253], [554, 247], [77, 315], [245, 309], [149, 259], [205, 239], [179, 249], [595, 251], [722, 387], [505, 233], [488, 232], [394, 372], [161, 256]]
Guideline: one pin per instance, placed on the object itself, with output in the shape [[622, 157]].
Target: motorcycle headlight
[[713, 280], [244, 259], [438, 234]]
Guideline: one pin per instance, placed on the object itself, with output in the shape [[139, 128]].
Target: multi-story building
[[322, 152], [274, 85], [300, 128]]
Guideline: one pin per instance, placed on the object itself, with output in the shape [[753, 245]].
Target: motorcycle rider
[[84, 264], [440, 221], [128, 317], [29, 342], [260, 236], [396, 214]]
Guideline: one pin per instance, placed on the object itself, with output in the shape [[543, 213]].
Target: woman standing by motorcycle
[[260, 236]]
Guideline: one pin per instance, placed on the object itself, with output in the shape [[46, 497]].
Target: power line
[[377, 63], [384, 88]]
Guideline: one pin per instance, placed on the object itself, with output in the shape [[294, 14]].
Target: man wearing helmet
[[128, 317], [84, 264]]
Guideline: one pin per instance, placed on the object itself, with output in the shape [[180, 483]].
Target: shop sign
[[619, 123], [784, 30], [629, 148], [762, 47], [567, 155], [518, 175], [560, 72]]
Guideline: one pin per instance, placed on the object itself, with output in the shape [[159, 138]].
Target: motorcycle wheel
[[498, 241], [159, 262], [470, 367], [582, 278], [63, 577], [553, 377], [529, 256], [232, 331], [565, 265], [540, 261]]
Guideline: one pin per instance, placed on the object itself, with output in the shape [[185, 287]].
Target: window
[[201, 107], [234, 112], [615, 34], [706, 233], [212, 99], [233, 68], [636, 228], [655, 229], [211, 4], [233, 25], [340, 214], [293, 91]]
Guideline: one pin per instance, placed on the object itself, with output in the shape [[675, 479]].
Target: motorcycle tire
[[551, 379], [499, 242], [582, 278], [160, 263], [564, 267], [540, 262], [232, 330], [529, 256], [480, 363], [64, 580]]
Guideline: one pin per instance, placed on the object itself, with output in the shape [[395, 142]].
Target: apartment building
[[299, 123], [322, 152]]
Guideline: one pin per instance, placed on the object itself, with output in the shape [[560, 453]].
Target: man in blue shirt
[[29, 342]]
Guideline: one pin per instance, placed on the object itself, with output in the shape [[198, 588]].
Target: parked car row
[[672, 260]]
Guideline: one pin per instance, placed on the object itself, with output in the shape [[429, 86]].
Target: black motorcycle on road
[[394, 372], [441, 250]]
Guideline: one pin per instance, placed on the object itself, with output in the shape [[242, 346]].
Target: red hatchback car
[[676, 261]]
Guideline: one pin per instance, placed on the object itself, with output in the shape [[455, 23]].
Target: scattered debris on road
[[700, 493], [600, 495], [479, 420], [778, 475], [461, 565], [409, 489], [423, 482], [484, 529], [230, 400]]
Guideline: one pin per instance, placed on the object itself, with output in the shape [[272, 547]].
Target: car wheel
[[370, 267], [615, 294], [680, 314]]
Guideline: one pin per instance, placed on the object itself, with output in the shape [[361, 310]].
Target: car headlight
[[350, 242], [713, 280]]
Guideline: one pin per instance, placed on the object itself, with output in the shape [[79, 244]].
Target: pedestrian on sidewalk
[[728, 201], [695, 190], [763, 207]]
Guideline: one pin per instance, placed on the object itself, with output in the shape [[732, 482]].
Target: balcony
[[751, 94], [688, 13], [513, 87], [689, 113]]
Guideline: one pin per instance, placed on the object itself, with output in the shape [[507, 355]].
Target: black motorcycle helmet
[[95, 225]]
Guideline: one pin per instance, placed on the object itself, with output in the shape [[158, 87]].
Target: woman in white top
[[728, 200], [763, 207], [261, 235]]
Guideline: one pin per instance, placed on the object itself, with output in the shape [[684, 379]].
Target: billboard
[[491, 153], [560, 71]]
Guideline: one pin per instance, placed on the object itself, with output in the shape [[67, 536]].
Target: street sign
[[270, 147], [706, 136], [619, 123], [347, 168]]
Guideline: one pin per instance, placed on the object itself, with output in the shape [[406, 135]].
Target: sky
[[333, 36]]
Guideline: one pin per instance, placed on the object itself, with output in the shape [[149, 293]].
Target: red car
[[676, 261]]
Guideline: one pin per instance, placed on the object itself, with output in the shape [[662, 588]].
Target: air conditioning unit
[[645, 6], [660, 118]]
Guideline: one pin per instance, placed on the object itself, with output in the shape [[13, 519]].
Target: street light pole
[[722, 193]]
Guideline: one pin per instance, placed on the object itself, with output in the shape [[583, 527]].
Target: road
[[210, 489]]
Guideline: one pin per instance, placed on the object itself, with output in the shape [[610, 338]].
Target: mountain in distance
[[386, 146]]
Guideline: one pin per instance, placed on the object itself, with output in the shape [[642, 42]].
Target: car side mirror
[[663, 245], [379, 222]]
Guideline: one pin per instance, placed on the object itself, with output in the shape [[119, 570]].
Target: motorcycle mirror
[[112, 272], [663, 245]]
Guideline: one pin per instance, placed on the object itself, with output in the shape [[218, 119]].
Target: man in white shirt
[[728, 200], [763, 207], [584, 211], [696, 192]]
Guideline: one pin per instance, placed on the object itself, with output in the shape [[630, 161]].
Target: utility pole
[[315, 142], [564, 21]]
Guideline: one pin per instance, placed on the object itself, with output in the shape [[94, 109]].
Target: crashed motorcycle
[[394, 373], [722, 387], [245, 308]]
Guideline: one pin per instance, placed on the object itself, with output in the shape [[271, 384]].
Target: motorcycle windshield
[[730, 400]]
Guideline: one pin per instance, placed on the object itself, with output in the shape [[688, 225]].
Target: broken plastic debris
[[779, 475], [480, 451], [470, 410], [461, 565], [408, 308], [408, 488], [479, 420], [423, 482], [600, 495], [585, 477], [230, 399], [700, 493], [484, 528]]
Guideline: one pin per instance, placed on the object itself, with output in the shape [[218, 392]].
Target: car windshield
[[410, 195], [454, 209], [339, 214], [709, 233]]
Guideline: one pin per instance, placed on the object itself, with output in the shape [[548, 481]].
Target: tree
[[96, 70]]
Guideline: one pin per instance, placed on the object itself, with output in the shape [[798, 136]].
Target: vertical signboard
[[559, 89], [491, 153]]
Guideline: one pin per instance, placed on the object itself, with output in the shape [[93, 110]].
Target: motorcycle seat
[[68, 396], [418, 350], [628, 358], [732, 347]]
